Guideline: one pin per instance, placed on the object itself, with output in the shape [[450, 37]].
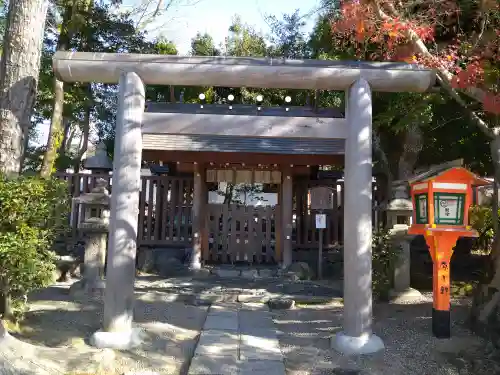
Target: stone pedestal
[[95, 229], [92, 284], [401, 291], [399, 213]]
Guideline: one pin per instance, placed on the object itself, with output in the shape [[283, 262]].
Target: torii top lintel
[[241, 72]]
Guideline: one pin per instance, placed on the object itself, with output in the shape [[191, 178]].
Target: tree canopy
[[343, 30]]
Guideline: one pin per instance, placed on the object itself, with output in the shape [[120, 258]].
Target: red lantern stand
[[441, 206]]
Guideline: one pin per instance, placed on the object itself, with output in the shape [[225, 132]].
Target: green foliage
[[3, 20], [384, 256], [244, 41], [203, 45], [288, 37], [96, 28], [33, 213], [480, 218]]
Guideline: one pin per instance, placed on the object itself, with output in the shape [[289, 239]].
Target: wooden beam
[[244, 125], [199, 216], [182, 167], [239, 158], [287, 215]]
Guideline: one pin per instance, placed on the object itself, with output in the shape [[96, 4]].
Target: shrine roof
[[449, 171]]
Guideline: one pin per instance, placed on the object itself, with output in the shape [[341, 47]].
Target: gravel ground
[[406, 331], [60, 327], [237, 285]]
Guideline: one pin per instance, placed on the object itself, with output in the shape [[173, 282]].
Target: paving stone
[[227, 273], [207, 300], [223, 320], [238, 339], [252, 298], [217, 343], [267, 273], [224, 306], [262, 367], [252, 320], [262, 344], [249, 274], [205, 365], [252, 306]]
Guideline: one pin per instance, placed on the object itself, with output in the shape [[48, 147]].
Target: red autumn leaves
[[367, 25]]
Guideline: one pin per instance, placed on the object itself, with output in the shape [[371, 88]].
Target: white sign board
[[448, 208], [320, 221]]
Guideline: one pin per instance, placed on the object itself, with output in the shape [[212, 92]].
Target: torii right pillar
[[357, 336]]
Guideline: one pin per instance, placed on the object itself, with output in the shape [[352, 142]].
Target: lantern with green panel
[[441, 199]]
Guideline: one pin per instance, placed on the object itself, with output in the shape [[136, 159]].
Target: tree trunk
[[172, 94], [5, 301], [228, 193], [20, 68], [85, 139], [411, 150], [486, 298], [56, 132], [68, 134], [386, 168]]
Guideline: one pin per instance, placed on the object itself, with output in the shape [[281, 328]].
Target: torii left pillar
[[117, 332], [357, 336]]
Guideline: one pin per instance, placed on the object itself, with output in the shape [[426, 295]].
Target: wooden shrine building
[[239, 154]]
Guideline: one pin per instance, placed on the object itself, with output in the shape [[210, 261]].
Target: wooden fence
[[305, 235], [165, 205]]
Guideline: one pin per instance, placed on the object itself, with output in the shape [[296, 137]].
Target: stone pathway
[[215, 289], [238, 339]]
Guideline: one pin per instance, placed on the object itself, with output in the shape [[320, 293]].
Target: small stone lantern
[[95, 230], [399, 211], [99, 163]]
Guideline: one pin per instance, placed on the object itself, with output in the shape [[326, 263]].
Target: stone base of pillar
[[408, 295], [195, 264], [81, 290], [117, 340], [349, 345]]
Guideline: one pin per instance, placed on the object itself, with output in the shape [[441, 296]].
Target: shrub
[[33, 212], [480, 218], [384, 256]]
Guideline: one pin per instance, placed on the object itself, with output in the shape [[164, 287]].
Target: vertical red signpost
[[441, 201]]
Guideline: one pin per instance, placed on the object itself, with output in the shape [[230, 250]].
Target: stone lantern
[[99, 163], [95, 231], [399, 213], [399, 210]]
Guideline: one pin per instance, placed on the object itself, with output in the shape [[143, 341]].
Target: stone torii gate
[[133, 71]]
